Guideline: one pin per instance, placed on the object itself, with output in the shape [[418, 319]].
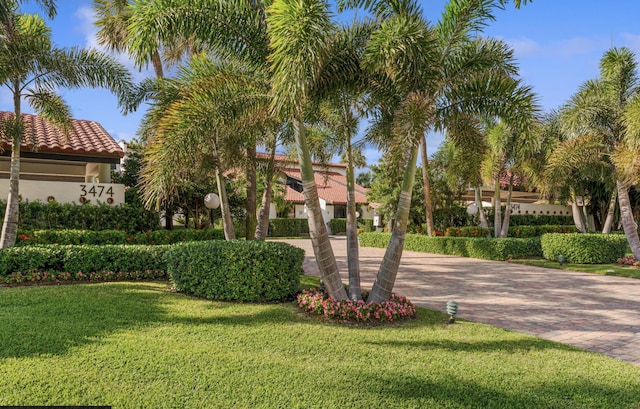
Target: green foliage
[[236, 270], [338, 225], [85, 258], [488, 249], [288, 227], [537, 231], [102, 237], [535, 220], [467, 231], [129, 217], [584, 248]]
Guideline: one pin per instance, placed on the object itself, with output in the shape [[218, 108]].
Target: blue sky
[[557, 43]]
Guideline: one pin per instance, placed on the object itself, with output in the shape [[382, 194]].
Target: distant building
[[332, 189], [66, 168]]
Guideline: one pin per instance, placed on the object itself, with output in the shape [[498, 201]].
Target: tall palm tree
[[608, 107], [469, 75], [7, 8], [32, 69]]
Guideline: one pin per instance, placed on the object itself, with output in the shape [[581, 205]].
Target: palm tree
[[418, 94], [7, 8], [608, 108], [32, 68]]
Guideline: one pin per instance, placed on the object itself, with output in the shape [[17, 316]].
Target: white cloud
[[525, 46]]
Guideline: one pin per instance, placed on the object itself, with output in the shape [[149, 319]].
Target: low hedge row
[[537, 231], [103, 237], [339, 225], [488, 249], [584, 248], [286, 227], [247, 271], [82, 258]]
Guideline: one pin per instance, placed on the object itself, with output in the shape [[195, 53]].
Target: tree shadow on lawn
[[53, 319], [460, 392], [508, 346]]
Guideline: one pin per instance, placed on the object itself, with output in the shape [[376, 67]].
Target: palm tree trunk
[[227, 223], [427, 186], [262, 228], [628, 223], [317, 229], [385, 280], [156, 62], [353, 248], [504, 232], [481, 214], [252, 194], [608, 222], [497, 219], [12, 211], [577, 214]]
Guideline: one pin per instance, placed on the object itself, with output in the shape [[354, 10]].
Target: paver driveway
[[592, 312]]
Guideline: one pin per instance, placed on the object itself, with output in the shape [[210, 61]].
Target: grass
[[140, 345], [602, 269]]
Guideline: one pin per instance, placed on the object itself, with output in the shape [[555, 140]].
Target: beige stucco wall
[[66, 192]]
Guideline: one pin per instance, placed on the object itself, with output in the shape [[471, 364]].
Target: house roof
[[86, 138], [288, 160], [332, 188]]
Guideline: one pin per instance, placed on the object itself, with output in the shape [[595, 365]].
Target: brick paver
[[592, 312]]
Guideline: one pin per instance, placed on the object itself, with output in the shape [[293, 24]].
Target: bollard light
[[561, 260], [452, 310]]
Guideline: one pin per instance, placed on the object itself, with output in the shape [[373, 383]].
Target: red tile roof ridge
[[85, 137]]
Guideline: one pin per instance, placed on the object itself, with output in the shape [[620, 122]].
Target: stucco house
[[66, 168]]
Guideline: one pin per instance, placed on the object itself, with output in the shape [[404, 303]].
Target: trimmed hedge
[[103, 237], [488, 249], [236, 270], [584, 248], [38, 215], [467, 231], [286, 227], [339, 225], [85, 258], [537, 231]]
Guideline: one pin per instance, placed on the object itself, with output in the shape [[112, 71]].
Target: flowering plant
[[630, 261], [318, 302]]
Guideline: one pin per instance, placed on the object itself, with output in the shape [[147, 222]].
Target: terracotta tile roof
[[293, 196], [87, 138], [332, 187]]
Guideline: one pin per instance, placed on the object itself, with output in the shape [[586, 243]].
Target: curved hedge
[[488, 249], [236, 270], [584, 248]]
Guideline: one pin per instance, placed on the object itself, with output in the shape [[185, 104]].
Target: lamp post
[[211, 201]]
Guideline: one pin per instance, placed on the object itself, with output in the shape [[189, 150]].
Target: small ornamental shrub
[[488, 249], [628, 261], [467, 231], [584, 248], [318, 303], [236, 270]]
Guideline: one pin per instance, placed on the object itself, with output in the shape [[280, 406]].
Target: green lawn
[[140, 345], [603, 269]]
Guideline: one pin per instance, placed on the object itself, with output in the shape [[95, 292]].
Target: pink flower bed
[[318, 302], [630, 261], [37, 276]]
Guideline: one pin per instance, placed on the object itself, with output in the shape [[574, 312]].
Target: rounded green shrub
[[584, 248], [236, 270]]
